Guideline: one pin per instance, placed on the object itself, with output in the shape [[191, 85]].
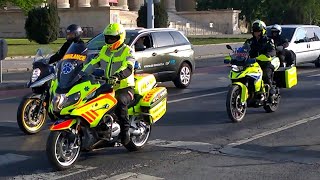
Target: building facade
[[95, 15], [132, 5]]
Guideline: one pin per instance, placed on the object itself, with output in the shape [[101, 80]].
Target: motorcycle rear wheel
[[25, 110], [235, 109], [272, 107], [138, 142]]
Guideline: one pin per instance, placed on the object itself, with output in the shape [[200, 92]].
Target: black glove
[[113, 80]]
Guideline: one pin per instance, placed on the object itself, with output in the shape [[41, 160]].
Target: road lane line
[[130, 175], [195, 97], [315, 75], [3, 99], [55, 175], [187, 145], [305, 72], [257, 136]]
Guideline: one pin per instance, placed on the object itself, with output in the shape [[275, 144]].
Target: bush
[[42, 24], [160, 13]]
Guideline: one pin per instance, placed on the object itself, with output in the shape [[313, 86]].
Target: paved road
[[194, 140]]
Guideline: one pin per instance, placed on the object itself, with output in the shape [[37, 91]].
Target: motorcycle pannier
[[286, 77], [154, 104]]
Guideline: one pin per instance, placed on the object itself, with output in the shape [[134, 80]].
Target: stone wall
[[93, 20], [223, 21], [12, 23]]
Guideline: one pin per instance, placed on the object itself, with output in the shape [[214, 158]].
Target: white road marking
[[305, 72], [3, 99], [188, 145], [196, 97], [302, 121], [132, 176], [54, 175], [12, 158], [315, 75]]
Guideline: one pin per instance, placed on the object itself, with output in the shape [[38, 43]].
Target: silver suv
[[165, 52]]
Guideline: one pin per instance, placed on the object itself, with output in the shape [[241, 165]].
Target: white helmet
[[276, 28]]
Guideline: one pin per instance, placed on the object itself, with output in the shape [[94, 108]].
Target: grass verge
[[23, 47]]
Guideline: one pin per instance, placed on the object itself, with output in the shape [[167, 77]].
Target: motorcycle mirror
[[3, 49], [229, 47]]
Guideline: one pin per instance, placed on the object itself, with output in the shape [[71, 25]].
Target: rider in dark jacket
[[73, 35], [281, 43], [261, 44]]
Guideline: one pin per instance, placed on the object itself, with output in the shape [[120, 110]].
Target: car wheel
[[184, 76], [317, 63]]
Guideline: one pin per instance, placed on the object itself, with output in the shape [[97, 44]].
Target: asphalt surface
[[194, 140]]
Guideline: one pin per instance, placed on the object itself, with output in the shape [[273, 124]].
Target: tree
[[270, 11], [161, 16], [42, 24], [25, 5]]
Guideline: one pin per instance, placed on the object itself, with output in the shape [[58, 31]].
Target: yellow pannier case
[[286, 77]]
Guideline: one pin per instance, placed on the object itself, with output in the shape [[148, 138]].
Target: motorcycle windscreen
[[71, 64]]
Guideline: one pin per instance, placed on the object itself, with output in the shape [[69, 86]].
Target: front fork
[[43, 103]]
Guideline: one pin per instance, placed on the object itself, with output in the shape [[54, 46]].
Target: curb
[[12, 86], [210, 56], [16, 70], [18, 57], [221, 44]]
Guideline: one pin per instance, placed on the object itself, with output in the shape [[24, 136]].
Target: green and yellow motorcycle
[[84, 110], [248, 89]]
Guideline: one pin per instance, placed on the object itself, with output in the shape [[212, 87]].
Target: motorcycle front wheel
[[27, 120], [63, 149], [235, 109]]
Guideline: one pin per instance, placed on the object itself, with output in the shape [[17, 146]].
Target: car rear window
[[178, 38], [163, 39], [97, 42]]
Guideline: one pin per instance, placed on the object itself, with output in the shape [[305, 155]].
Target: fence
[[195, 28], [189, 29]]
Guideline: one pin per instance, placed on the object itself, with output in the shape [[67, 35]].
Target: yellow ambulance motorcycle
[[84, 107], [248, 89]]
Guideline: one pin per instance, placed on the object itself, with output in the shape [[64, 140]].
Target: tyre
[[184, 76], [63, 149], [317, 63], [272, 107], [138, 142], [235, 109], [27, 121]]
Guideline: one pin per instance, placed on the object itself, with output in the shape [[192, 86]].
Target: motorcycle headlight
[[58, 100], [72, 99], [35, 74], [61, 100], [236, 68]]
